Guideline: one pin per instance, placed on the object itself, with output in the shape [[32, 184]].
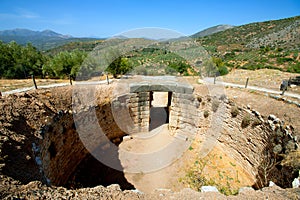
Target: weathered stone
[[296, 183], [209, 189], [256, 113], [187, 120], [276, 121], [261, 119], [245, 190], [272, 117], [277, 149], [143, 98], [160, 87], [139, 87], [183, 96], [143, 94], [271, 184], [127, 137]]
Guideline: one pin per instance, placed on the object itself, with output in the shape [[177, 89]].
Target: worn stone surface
[[161, 86]]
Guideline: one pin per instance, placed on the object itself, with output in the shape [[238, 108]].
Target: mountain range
[[43, 40], [283, 32], [48, 39], [29, 33]]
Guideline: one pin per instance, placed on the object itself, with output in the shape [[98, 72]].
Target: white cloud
[[20, 13], [24, 13]]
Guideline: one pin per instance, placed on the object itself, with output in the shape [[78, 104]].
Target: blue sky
[[106, 18]]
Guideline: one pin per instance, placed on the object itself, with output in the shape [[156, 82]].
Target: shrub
[[223, 97], [199, 99], [215, 105], [234, 111], [246, 120], [206, 114], [223, 70], [256, 122]]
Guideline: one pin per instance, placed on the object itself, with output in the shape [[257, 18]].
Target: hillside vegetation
[[272, 44]]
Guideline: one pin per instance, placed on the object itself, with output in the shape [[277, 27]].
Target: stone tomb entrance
[[151, 104]]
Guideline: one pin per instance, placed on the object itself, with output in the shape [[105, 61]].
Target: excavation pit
[[60, 158]]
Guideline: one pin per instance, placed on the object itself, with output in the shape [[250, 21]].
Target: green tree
[[20, 62], [64, 64], [209, 68], [119, 66], [180, 67], [222, 69]]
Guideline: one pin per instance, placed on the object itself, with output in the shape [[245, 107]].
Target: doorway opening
[[159, 109]]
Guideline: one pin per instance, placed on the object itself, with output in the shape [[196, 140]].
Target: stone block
[[134, 99], [159, 87], [143, 94], [139, 87], [123, 98], [143, 98], [187, 120], [209, 189], [179, 101], [183, 96], [184, 88]]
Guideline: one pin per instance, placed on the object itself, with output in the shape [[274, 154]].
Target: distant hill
[[283, 33], [211, 30], [29, 33], [271, 44], [86, 46], [43, 40]]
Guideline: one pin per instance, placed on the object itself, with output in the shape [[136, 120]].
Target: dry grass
[[12, 84]]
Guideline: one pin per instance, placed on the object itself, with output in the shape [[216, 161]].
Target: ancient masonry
[[133, 109]]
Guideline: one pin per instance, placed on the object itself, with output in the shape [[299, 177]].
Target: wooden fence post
[[33, 79], [247, 82], [215, 79], [107, 79], [70, 77], [283, 91], [289, 82]]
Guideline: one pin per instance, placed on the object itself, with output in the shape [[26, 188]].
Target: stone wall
[[184, 114], [62, 149], [132, 111], [139, 108], [259, 145]]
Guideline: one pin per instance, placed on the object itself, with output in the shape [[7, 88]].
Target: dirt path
[[289, 94], [25, 89], [163, 175]]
